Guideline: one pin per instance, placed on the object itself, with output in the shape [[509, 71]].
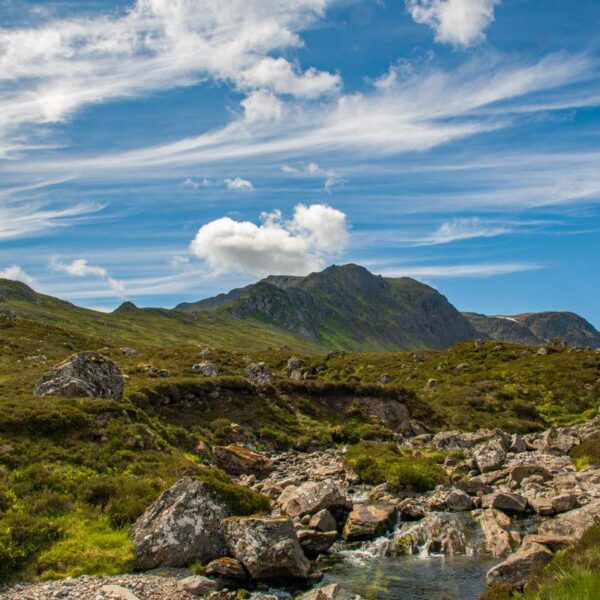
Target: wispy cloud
[[81, 268], [464, 228], [461, 270], [238, 184]]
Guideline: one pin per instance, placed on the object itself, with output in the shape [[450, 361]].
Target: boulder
[[412, 509], [449, 440], [517, 444], [520, 472], [227, 569], [182, 526], [316, 542], [311, 497], [474, 487], [564, 503], [556, 442], [369, 521], [206, 368], [83, 374], [493, 524], [267, 547], [197, 585], [458, 500], [509, 503], [329, 592], [323, 521], [239, 460], [518, 568], [542, 505], [553, 542], [259, 373], [490, 455], [573, 523], [117, 592]]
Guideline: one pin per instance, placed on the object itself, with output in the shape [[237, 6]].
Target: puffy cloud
[[16, 273], [295, 247], [262, 106], [50, 70], [239, 185], [464, 229], [81, 268], [456, 22]]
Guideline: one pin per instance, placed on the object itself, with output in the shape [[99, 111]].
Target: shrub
[[386, 463]]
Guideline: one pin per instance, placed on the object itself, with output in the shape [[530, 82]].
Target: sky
[[159, 151]]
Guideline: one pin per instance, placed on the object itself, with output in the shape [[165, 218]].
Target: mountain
[[537, 328], [349, 307]]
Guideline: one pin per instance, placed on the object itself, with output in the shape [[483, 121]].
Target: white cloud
[[51, 70], [330, 177], [296, 247], [462, 270], [239, 185], [262, 106], [464, 229], [16, 273], [24, 218], [457, 22], [81, 268]]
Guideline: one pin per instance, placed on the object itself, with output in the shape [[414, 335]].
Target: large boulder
[[490, 455], [181, 527], [515, 571], [556, 442], [323, 521], [457, 500], [206, 368], [368, 521], [239, 460], [226, 569], [520, 472], [311, 497], [83, 374], [268, 547]]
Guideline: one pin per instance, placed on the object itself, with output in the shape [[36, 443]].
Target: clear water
[[412, 577]]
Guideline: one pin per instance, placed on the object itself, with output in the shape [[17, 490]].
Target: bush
[[387, 463]]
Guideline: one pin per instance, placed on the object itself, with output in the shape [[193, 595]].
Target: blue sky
[[166, 150]]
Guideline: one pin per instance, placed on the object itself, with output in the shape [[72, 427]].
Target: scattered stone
[[493, 523], [449, 440], [118, 592], [198, 585], [239, 460], [329, 592], [490, 455], [37, 359], [226, 568], [521, 472], [206, 368], [316, 542], [509, 503], [182, 526], [458, 500], [518, 568], [126, 351], [369, 521], [432, 384], [267, 547], [259, 373], [311, 497], [83, 374], [323, 521]]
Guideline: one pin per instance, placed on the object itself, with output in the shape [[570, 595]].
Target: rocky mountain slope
[[537, 328], [349, 307]]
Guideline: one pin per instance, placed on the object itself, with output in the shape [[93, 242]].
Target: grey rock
[[323, 521], [197, 585], [182, 526], [515, 571], [267, 547], [83, 374], [206, 368], [458, 500], [259, 373], [490, 455], [329, 592], [316, 542], [311, 497], [509, 503]]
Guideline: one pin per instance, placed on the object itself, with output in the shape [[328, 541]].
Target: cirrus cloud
[[295, 247]]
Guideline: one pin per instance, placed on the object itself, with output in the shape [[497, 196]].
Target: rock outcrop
[[182, 526], [83, 374]]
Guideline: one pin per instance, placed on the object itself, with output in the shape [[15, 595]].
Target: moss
[[587, 454], [386, 463]]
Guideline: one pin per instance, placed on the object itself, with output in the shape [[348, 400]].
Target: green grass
[[386, 463], [587, 454]]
